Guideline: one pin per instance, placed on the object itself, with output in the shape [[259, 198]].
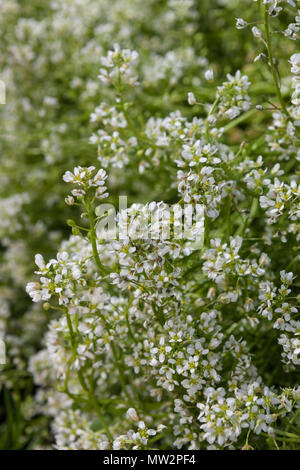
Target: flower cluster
[[118, 64], [85, 179], [146, 340]]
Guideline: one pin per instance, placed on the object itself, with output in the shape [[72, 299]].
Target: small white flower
[[69, 200], [295, 61], [209, 75], [257, 32], [131, 414], [39, 261], [240, 23], [191, 98]]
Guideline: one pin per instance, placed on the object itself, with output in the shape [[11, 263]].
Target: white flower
[[257, 32], [85, 178], [295, 61], [240, 23], [209, 75], [37, 292], [119, 63], [191, 98], [232, 113], [131, 414], [69, 200], [78, 176], [39, 261]]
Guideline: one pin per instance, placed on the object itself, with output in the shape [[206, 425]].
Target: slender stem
[[247, 438], [71, 331], [117, 363], [228, 216], [98, 409], [121, 375], [239, 120], [93, 236], [127, 319], [243, 227], [130, 123], [290, 423], [212, 109], [271, 61], [89, 390]]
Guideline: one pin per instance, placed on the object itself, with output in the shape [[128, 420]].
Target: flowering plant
[[151, 342]]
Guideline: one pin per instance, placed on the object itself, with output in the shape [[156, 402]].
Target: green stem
[[98, 410], [89, 390], [228, 214], [127, 320], [243, 227], [290, 423], [271, 61], [212, 109], [121, 375], [117, 363], [93, 236], [239, 120], [71, 331]]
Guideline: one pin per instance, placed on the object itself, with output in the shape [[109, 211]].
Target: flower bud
[[191, 98], [131, 414], [71, 223]]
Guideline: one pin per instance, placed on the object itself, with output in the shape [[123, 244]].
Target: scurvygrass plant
[[150, 343]]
